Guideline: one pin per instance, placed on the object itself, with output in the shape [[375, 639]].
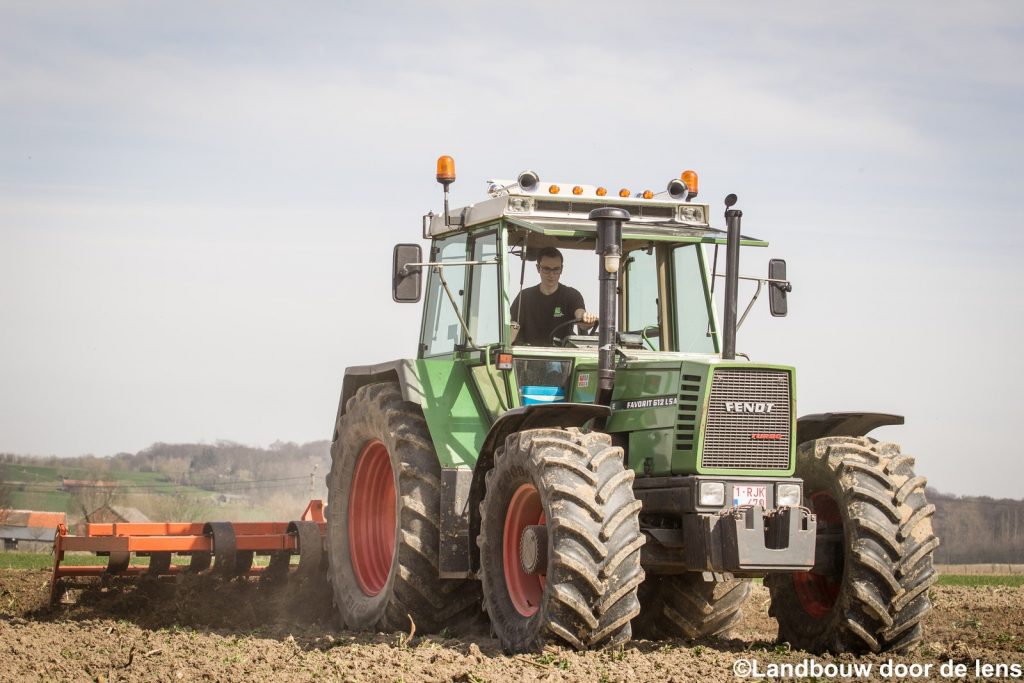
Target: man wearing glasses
[[538, 310]]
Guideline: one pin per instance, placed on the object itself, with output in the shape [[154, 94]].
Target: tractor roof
[[555, 219]]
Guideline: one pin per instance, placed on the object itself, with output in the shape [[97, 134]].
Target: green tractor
[[614, 482]]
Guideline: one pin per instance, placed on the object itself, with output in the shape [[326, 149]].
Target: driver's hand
[[588, 318]]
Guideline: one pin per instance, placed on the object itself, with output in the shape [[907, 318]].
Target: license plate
[[750, 495]]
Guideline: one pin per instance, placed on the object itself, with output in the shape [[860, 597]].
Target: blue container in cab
[[533, 395]]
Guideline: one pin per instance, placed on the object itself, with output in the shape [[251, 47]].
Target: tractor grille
[[749, 421]]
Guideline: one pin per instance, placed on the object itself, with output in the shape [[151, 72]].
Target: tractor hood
[[684, 414]]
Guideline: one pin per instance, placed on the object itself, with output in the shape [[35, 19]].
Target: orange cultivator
[[223, 548]]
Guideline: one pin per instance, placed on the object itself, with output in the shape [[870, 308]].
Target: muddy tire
[[383, 520], [687, 606], [574, 494], [876, 593]]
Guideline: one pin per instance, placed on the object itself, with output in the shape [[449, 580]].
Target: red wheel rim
[[525, 590], [818, 593], [371, 518]]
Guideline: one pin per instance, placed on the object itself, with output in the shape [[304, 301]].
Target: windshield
[[549, 290], [693, 330], [666, 304]]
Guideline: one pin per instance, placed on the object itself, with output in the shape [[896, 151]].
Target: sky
[[198, 201]]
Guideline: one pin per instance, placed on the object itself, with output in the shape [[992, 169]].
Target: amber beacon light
[[445, 170], [446, 176], [690, 178]]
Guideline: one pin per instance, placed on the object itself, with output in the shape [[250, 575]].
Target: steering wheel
[[589, 327]]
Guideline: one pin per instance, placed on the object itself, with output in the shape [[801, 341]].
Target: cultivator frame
[[226, 549]]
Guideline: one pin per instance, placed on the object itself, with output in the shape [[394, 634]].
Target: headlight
[[520, 204], [692, 213], [712, 493], [787, 494]]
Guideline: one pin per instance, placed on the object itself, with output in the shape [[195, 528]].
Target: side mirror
[[777, 290], [405, 278]]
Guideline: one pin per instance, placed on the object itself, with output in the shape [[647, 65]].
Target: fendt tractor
[[618, 481], [621, 474]]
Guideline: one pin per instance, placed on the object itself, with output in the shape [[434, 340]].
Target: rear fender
[[401, 371], [820, 425]]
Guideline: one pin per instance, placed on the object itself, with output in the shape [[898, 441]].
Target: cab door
[[485, 320], [643, 282]]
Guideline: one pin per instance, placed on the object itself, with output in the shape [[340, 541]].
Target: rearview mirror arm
[[760, 284], [761, 281]]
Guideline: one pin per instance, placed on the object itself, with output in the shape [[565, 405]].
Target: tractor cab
[[484, 256]]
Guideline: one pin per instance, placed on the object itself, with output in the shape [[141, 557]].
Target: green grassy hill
[[39, 487]]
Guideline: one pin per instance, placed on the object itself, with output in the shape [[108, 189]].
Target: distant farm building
[[29, 526], [111, 514]]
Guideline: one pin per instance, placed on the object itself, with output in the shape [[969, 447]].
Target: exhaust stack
[[609, 247], [732, 277]]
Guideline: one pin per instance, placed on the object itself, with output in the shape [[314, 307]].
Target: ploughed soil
[[189, 628]]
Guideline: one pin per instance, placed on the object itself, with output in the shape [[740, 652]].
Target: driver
[[538, 310]]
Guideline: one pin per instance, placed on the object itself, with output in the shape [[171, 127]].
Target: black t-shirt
[[541, 313]]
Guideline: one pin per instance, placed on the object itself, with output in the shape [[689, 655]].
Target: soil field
[[201, 629]]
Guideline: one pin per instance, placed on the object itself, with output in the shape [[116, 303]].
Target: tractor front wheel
[[869, 588], [687, 606], [560, 542], [383, 520]]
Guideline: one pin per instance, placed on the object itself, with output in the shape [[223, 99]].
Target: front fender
[[820, 425]]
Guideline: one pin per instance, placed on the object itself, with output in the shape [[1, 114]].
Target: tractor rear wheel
[[870, 591], [560, 542], [383, 519], [687, 606]]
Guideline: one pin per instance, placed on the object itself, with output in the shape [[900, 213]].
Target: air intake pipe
[[732, 277], [609, 248]]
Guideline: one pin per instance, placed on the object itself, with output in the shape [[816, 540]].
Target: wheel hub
[[371, 518], [533, 549], [524, 512]]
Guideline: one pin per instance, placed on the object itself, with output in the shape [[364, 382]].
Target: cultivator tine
[[311, 549], [118, 562], [199, 562], [277, 569], [243, 562], [159, 563], [224, 547]]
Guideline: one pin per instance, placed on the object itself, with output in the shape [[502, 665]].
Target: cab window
[[642, 305], [693, 322], [484, 320], [441, 328]]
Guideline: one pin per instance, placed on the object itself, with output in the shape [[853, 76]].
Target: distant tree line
[[975, 529], [972, 529]]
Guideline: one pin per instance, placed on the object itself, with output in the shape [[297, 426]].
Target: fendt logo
[[738, 407]]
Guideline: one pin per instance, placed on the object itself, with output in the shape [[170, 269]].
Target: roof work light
[[677, 189]]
